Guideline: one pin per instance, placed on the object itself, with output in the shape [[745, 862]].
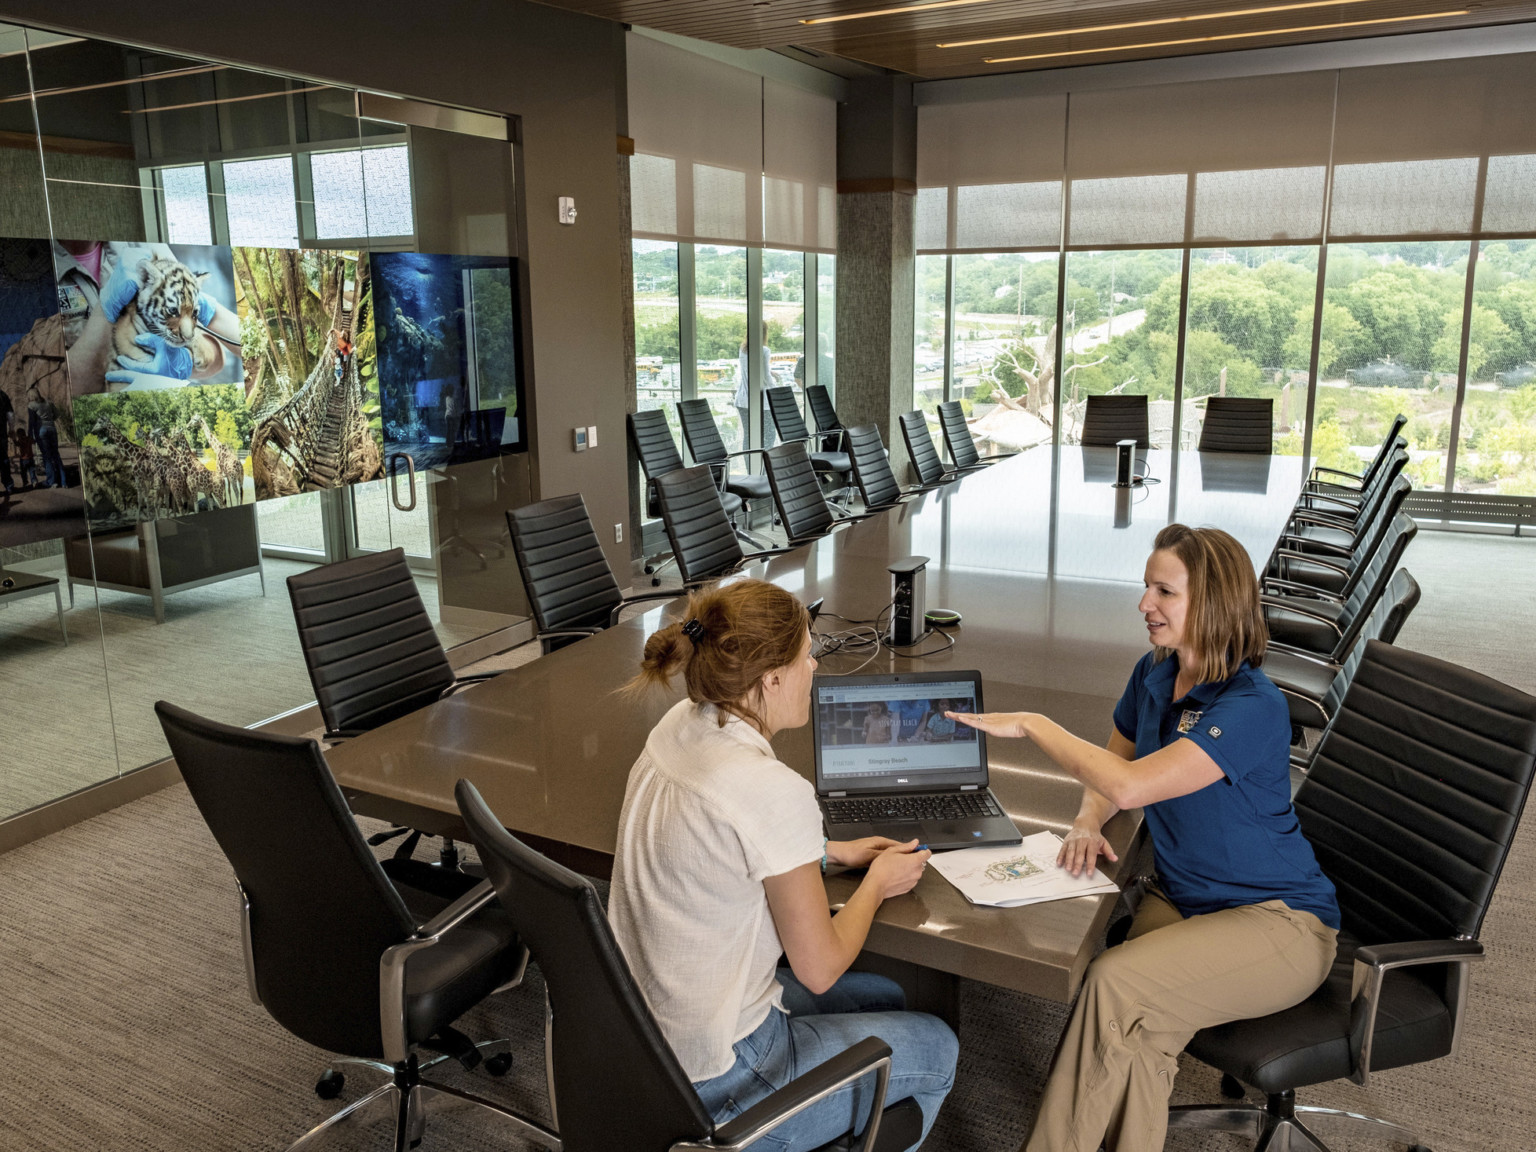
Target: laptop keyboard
[[920, 806]]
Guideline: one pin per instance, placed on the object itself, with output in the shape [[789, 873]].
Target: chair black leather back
[[957, 436], [368, 642], [785, 410], [1238, 424], [701, 433], [617, 1082], [1107, 420], [1388, 446], [1374, 581], [803, 510], [322, 910], [1415, 794], [819, 401], [653, 442], [1379, 532], [564, 570], [1384, 623], [871, 468], [703, 541], [924, 456]]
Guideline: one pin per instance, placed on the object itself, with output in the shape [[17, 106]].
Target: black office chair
[[652, 441], [1320, 624], [1107, 420], [366, 961], [1352, 494], [1348, 506], [957, 439], [791, 428], [615, 1082], [921, 451], [829, 426], [1413, 799], [705, 445], [1330, 572], [1313, 529], [703, 541], [372, 652], [570, 587], [1358, 480], [872, 468], [1314, 688], [803, 509], [1238, 424], [369, 645]]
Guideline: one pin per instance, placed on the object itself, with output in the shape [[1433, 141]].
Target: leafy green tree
[[1488, 344]]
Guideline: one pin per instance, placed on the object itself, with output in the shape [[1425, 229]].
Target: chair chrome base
[[1280, 1126], [408, 1094]]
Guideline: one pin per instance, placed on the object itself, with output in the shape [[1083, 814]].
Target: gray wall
[[562, 73]]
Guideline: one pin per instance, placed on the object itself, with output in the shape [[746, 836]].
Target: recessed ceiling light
[[1223, 36], [1147, 23], [935, 4]]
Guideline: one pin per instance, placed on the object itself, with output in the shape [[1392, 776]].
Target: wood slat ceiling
[[908, 38]]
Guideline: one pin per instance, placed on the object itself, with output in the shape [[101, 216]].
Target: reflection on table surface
[[1044, 561]]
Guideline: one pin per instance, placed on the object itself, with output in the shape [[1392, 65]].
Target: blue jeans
[[923, 1054], [48, 441]]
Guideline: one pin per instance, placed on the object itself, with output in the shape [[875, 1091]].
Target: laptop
[[889, 763]]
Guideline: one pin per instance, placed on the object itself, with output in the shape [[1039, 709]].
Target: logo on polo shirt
[[1214, 731], [1187, 721]]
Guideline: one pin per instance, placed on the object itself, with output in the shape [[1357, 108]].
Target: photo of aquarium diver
[[449, 378]]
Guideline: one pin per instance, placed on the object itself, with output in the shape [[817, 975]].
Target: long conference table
[[1043, 558]]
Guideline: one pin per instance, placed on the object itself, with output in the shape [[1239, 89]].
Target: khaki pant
[[1142, 1002]]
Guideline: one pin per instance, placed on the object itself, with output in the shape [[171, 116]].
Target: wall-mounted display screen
[[449, 376]]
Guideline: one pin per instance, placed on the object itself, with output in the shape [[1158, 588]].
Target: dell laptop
[[890, 763]]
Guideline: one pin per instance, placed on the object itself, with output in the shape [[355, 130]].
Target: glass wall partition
[[253, 324], [930, 332], [783, 317], [658, 339], [720, 350]]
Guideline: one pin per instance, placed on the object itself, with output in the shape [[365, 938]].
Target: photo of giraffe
[[162, 452], [311, 378]]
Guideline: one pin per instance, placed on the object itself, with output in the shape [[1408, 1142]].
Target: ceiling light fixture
[[1148, 23], [930, 7], [1223, 36]]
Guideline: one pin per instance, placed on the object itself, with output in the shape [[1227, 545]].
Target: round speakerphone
[[942, 617]]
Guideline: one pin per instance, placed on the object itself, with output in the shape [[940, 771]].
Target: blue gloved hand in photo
[[205, 309], [123, 285], [165, 358]]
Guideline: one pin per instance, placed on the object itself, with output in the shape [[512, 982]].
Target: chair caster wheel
[[499, 1064], [1232, 1088], [330, 1084], [655, 581], [649, 569]]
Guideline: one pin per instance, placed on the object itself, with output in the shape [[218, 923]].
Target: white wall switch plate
[[591, 435]]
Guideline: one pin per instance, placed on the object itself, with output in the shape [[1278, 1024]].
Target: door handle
[[394, 480]]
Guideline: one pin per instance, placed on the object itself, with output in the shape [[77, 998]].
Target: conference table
[[1042, 557]]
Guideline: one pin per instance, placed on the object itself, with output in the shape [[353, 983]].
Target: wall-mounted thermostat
[[567, 209], [579, 439]]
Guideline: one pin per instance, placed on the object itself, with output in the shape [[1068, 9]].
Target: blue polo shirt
[[1236, 841]]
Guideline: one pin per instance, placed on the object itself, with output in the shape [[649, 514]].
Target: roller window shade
[[1257, 148], [799, 168], [705, 120], [999, 163], [1410, 139]]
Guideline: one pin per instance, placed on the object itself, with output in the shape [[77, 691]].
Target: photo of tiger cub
[[166, 305]]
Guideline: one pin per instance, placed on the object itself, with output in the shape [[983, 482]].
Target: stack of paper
[[1017, 874]]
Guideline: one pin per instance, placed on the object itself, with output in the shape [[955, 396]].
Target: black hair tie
[[693, 630]]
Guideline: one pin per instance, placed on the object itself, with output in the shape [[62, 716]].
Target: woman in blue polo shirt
[[1243, 922]]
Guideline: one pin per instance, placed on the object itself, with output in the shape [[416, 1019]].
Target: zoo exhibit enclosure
[[228, 293], [1348, 243]]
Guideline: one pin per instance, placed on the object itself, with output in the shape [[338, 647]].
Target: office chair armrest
[[1321, 519], [1317, 469], [392, 965], [1373, 962], [1286, 557], [1306, 546], [613, 617], [748, 557], [868, 1055], [1332, 491], [1349, 507], [1302, 589], [334, 734], [747, 452], [1279, 605]]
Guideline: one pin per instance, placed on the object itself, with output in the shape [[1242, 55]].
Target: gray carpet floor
[[127, 1023]]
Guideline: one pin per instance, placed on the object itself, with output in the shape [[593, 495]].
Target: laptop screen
[[873, 731]]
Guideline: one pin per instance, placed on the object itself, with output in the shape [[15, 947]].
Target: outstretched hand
[[994, 723], [1081, 849]]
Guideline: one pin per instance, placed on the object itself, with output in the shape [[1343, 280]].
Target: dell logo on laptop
[[900, 780]]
